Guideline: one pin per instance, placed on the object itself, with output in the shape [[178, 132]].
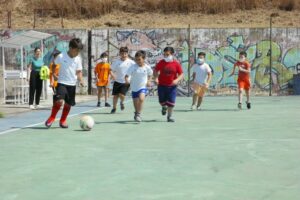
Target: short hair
[[36, 48], [103, 55], [171, 49], [124, 50], [202, 54], [76, 43], [140, 53], [243, 53]]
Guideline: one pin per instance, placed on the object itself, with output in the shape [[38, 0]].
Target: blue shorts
[[137, 94], [167, 95]]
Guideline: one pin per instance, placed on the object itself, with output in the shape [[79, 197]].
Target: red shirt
[[168, 72], [243, 75]]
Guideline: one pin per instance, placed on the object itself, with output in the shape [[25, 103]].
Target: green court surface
[[218, 153]]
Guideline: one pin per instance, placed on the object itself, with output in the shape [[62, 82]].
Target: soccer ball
[[86, 122]]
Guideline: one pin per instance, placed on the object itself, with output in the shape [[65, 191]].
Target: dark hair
[[140, 53], [36, 48], [171, 49], [103, 55], [76, 43], [243, 53], [202, 54], [124, 50]]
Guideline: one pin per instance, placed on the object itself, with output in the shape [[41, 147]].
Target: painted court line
[[40, 123]]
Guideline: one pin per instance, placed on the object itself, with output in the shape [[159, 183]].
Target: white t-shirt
[[139, 76], [201, 73], [68, 67], [120, 67]]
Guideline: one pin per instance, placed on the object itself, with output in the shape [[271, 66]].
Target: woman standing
[[35, 82]]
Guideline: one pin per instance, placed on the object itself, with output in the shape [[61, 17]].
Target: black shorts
[[120, 88], [65, 92]]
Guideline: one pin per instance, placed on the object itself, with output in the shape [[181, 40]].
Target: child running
[[118, 71], [243, 81], [102, 72], [70, 70], [169, 73], [141, 74], [201, 79]]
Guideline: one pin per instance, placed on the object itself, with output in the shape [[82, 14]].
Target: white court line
[[70, 116]]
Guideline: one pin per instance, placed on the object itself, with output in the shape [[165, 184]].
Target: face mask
[[242, 59], [200, 61], [104, 60], [168, 58]]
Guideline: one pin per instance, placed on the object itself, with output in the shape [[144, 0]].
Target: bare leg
[[240, 95], [99, 93], [140, 102], [248, 95], [115, 101], [199, 101], [195, 98]]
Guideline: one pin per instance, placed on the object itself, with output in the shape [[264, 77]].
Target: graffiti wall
[[222, 47]]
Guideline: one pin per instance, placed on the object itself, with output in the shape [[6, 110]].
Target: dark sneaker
[[248, 105], [122, 106], [98, 104], [170, 119], [164, 110], [239, 106], [49, 122], [113, 111], [107, 104], [63, 125]]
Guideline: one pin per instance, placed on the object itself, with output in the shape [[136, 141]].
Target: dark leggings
[[35, 87]]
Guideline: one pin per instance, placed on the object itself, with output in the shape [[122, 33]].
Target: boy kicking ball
[[140, 79], [243, 81], [201, 79], [70, 70], [169, 73]]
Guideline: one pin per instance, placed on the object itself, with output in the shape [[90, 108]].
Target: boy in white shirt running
[[118, 71], [70, 70], [141, 74], [201, 79]]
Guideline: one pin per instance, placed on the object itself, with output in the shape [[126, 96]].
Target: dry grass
[[288, 5]]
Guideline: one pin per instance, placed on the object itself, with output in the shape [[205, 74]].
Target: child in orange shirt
[[53, 83], [102, 73], [243, 81]]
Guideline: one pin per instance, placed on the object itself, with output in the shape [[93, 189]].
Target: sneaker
[[239, 106], [170, 119], [137, 117], [193, 107], [248, 105], [32, 107], [107, 104], [38, 106], [198, 108], [99, 104], [122, 106], [113, 111], [49, 122], [63, 125], [164, 110]]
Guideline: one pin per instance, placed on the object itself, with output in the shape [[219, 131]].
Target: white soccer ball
[[86, 122]]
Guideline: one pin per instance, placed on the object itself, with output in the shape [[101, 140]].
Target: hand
[[156, 81], [127, 82], [55, 77], [81, 83], [231, 74], [206, 85], [175, 82], [148, 84]]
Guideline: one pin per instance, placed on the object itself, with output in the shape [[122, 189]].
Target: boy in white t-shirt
[[201, 79], [141, 74], [118, 71], [70, 70]]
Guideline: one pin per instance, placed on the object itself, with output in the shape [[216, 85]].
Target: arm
[[233, 70], [149, 81], [155, 76], [193, 77], [29, 68], [209, 75], [126, 79], [179, 78], [79, 76]]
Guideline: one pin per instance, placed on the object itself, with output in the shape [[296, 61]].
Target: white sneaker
[[38, 106], [198, 108], [31, 107], [193, 107]]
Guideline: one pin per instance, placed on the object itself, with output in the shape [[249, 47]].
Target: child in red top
[[169, 73], [243, 81]]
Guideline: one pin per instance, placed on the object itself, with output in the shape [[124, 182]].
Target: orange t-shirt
[[243, 75], [52, 82], [102, 72]]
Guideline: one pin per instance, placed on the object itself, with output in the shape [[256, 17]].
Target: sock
[[55, 108], [65, 113]]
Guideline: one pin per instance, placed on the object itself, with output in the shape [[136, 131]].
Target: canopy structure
[[18, 42]]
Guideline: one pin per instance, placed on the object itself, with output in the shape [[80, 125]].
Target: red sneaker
[[49, 122], [63, 124]]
